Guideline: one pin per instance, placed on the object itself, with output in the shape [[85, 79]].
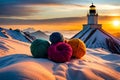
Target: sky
[[58, 14]]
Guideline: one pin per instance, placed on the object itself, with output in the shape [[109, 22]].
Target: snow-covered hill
[[16, 63], [39, 34], [98, 38], [14, 34], [32, 33]]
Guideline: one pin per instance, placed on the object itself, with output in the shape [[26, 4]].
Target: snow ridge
[[98, 38], [14, 34]]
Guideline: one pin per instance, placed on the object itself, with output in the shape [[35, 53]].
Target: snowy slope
[[14, 34], [40, 35], [11, 46], [16, 63], [98, 38], [33, 34]]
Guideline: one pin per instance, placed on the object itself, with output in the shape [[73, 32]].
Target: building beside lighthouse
[[92, 18], [94, 36]]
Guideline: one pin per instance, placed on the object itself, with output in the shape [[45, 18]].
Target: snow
[[98, 38], [80, 34], [16, 63], [35, 34], [86, 34], [40, 35], [11, 46], [14, 34]]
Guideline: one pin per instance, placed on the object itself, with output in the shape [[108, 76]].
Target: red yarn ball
[[60, 52]]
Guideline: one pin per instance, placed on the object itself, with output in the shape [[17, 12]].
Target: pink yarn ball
[[60, 52]]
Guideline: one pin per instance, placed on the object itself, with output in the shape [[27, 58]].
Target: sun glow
[[116, 23]]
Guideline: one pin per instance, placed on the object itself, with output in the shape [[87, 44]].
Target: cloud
[[8, 21], [13, 8], [26, 8], [108, 18], [66, 20], [18, 2]]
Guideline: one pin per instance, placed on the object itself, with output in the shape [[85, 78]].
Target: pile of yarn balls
[[59, 50]]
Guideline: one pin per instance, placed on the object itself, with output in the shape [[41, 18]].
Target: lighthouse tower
[[94, 36], [92, 18]]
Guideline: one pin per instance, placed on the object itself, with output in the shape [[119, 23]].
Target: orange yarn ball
[[78, 46]]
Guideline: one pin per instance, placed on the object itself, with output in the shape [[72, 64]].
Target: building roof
[[92, 5]]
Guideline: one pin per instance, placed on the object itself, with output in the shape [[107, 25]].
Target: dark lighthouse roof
[[92, 5], [92, 9]]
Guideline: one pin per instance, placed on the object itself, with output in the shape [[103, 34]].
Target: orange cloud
[[71, 23]]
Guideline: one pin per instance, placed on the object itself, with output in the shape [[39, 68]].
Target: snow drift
[[97, 64], [11, 46]]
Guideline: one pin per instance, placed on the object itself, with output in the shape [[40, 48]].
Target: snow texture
[[14, 34], [16, 63]]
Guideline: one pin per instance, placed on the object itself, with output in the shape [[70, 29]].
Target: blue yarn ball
[[56, 37], [39, 48]]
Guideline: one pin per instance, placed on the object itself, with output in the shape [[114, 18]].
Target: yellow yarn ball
[[78, 46]]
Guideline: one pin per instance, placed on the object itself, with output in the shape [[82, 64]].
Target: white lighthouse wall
[[92, 19]]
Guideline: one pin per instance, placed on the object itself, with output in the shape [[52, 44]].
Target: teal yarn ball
[[56, 37], [39, 48]]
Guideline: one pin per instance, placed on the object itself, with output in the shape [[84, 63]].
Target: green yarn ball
[[39, 48]]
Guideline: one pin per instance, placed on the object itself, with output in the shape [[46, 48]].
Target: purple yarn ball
[[60, 52]]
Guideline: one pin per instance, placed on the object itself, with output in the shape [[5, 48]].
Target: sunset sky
[[58, 14]]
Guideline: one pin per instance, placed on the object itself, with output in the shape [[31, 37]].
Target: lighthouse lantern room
[[92, 17]]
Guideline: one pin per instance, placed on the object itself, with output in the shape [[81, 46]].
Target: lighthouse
[[92, 18], [94, 36]]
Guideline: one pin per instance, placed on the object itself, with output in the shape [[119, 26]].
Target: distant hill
[[40, 35], [27, 35], [14, 34], [31, 32]]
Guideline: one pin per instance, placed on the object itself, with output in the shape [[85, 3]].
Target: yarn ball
[[79, 48], [60, 52], [39, 48], [56, 37]]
